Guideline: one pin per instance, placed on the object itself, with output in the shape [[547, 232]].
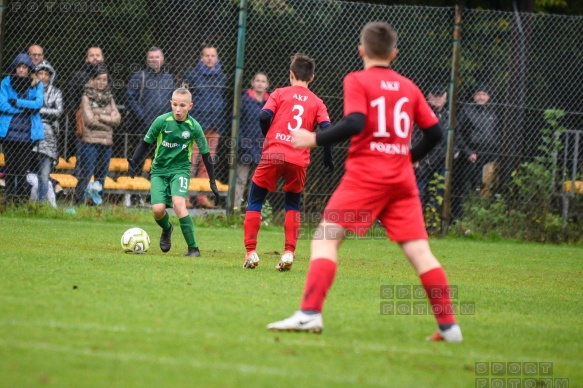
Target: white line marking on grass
[[165, 360], [285, 339]]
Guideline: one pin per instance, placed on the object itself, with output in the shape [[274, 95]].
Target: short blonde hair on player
[[183, 91]]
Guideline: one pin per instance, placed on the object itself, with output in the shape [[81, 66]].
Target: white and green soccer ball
[[135, 240]]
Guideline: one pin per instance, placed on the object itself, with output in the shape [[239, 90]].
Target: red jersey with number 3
[[294, 107], [380, 154]]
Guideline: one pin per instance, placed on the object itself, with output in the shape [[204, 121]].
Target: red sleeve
[[322, 114], [424, 116], [354, 96], [272, 102]]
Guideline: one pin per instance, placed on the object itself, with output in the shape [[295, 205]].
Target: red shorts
[[355, 208], [268, 172]]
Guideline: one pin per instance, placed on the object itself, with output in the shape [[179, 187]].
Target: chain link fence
[[527, 64]]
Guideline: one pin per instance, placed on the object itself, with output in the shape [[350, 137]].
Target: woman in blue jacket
[[21, 98]]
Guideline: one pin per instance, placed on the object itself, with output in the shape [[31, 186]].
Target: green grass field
[[75, 311]]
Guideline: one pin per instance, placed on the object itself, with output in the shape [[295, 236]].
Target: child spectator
[[47, 149]]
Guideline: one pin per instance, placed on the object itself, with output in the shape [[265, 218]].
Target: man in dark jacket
[[478, 140], [77, 81], [207, 84], [148, 92], [147, 96], [434, 162]]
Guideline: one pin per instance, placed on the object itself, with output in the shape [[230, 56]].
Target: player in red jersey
[[380, 107], [286, 111]]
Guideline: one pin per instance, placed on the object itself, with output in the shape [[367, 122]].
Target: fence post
[[453, 97], [237, 105]]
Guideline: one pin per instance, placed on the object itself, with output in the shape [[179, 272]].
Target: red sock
[[320, 278], [251, 227], [291, 226], [435, 283]]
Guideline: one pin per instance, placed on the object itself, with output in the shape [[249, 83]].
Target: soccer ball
[[135, 240]]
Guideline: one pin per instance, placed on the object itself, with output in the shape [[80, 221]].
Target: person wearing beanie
[[21, 98], [478, 139], [434, 162], [99, 117], [47, 150]]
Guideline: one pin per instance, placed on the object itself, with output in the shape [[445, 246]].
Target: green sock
[[187, 227], [164, 222]]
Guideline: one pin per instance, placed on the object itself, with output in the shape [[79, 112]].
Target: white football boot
[[453, 334], [300, 321], [251, 260], [286, 261]]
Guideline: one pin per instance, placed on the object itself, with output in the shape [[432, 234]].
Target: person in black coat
[[478, 140]]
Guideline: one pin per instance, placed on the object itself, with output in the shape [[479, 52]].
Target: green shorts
[[164, 187]]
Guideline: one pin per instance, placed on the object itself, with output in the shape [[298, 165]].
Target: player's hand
[[304, 139], [132, 168], [215, 192]]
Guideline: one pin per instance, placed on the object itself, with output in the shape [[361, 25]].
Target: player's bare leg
[[436, 286], [325, 243]]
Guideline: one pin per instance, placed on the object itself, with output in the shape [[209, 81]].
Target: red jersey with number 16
[[391, 103], [294, 107]]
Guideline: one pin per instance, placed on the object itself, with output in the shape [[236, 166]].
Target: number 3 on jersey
[[401, 120], [297, 118]]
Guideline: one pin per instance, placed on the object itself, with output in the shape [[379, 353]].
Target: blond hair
[[183, 90]]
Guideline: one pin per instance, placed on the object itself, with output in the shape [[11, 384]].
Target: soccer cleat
[[251, 260], [165, 239], [300, 321], [286, 261], [453, 334], [193, 252]]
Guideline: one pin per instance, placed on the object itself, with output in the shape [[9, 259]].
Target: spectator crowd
[[32, 109]]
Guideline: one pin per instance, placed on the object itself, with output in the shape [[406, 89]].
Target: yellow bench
[[125, 184], [578, 187], [121, 165], [115, 164]]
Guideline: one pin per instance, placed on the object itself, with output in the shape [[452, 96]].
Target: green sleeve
[[154, 130], [200, 139]]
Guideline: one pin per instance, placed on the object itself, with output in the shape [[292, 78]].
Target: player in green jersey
[[174, 134]]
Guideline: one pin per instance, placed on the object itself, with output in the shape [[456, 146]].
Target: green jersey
[[174, 142]]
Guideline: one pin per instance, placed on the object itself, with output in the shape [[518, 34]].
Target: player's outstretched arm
[[350, 125], [210, 168], [139, 154]]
